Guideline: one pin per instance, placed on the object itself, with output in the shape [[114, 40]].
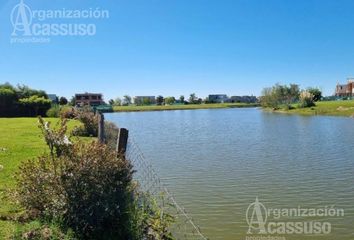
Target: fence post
[[101, 128], [122, 141]]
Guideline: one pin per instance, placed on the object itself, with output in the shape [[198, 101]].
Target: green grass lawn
[[331, 108], [20, 139], [134, 108]]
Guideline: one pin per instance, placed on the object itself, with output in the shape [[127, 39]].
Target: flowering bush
[[306, 99]]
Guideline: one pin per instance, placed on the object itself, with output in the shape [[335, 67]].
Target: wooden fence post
[[101, 128], [122, 141]]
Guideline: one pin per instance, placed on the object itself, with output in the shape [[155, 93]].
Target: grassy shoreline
[[20, 140], [326, 108], [181, 107]]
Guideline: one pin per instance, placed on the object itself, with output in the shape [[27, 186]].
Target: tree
[[63, 101], [118, 101], [316, 92], [268, 98], [206, 100], [147, 101], [138, 101], [280, 95], [11, 106], [159, 100], [294, 93], [127, 100], [181, 99], [170, 100], [37, 105], [7, 86], [72, 101], [24, 91], [193, 98], [111, 102]]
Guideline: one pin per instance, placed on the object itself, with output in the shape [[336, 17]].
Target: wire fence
[[183, 226]]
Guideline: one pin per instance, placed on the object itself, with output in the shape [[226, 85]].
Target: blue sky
[[174, 47]]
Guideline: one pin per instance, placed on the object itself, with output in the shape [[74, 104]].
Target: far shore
[[182, 107], [343, 108]]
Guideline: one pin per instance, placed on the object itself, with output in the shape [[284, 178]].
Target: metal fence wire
[[149, 182]]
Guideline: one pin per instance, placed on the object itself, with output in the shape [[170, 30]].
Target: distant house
[[341, 90], [345, 90], [243, 99], [144, 100], [53, 98], [218, 98], [90, 99]]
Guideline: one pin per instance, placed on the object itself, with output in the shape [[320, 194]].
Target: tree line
[[159, 100], [22, 101], [285, 96]]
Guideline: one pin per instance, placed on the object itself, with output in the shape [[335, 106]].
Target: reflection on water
[[217, 162]]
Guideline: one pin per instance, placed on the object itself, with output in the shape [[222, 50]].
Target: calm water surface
[[217, 162]]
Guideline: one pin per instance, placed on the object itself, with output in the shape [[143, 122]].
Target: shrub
[[79, 132], [39, 189], [67, 112], [90, 123], [316, 92], [54, 111], [38, 181], [86, 185], [306, 99], [7, 97], [98, 187], [7, 100], [88, 188], [36, 105]]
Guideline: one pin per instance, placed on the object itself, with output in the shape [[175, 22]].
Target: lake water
[[217, 162]]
